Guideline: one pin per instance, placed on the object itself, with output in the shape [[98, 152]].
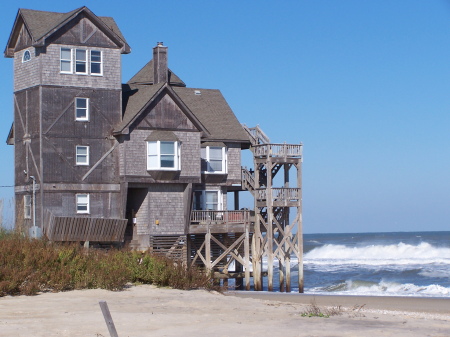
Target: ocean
[[376, 264]]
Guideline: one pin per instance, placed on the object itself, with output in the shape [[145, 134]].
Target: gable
[[82, 31], [164, 113], [24, 39]]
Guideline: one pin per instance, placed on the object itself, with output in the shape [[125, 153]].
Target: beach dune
[[149, 311]]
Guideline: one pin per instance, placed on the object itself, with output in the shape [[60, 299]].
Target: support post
[[108, 319], [247, 256]]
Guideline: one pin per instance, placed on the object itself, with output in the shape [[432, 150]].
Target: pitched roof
[[42, 24], [207, 106], [145, 76], [211, 108]]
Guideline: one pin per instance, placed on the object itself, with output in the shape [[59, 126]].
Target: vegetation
[[313, 310], [31, 266]]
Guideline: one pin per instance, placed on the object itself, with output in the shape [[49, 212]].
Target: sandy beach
[[150, 311]]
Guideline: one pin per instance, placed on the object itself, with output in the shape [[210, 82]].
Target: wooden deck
[[220, 221]]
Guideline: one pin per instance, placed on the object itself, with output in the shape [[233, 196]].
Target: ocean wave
[[400, 253], [357, 287]]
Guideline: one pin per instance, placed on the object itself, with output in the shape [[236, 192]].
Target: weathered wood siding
[[234, 163]]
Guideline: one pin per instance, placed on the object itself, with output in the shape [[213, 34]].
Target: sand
[[150, 311]]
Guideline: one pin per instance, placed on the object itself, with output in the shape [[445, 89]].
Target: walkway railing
[[218, 217], [278, 150], [280, 194]]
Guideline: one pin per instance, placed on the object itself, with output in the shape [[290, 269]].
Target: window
[[26, 56], [82, 203], [96, 62], [82, 155], [66, 60], [214, 159], [208, 200], [80, 61], [163, 155], [27, 206], [81, 109]]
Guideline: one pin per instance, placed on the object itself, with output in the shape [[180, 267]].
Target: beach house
[[148, 163]]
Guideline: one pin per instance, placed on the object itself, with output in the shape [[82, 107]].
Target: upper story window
[[96, 62], [66, 60], [81, 61], [163, 155], [82, 201], [214, 159], [27, 206], [81, 109], [26, 56], [82, 155]]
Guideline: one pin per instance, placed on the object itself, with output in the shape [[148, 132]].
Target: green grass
[[28, 267]]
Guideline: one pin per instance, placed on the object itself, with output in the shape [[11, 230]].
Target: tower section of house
[[67, 101]]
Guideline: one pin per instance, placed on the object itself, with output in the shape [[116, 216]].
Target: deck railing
[[280, 194], [278, 150], [258, 136], [217, 217]]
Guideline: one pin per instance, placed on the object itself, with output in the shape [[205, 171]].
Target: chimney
[[160, 70]]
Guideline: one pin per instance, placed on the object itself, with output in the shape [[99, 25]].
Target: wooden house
[[148, 163]]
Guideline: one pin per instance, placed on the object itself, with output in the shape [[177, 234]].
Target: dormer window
[[26, 56], [214, 159]]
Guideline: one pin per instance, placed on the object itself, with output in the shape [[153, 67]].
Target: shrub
[[30, 266]]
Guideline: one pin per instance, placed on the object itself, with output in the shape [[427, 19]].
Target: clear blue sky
[[364, 84]]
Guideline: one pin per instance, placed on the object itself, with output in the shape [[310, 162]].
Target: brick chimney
[[160, 70]]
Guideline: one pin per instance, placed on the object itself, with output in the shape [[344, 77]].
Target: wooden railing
[[248, 181], [257, 135], [225, 217], [278, 150], [280, 194]]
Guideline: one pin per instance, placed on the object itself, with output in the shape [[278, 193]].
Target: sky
[[363, 84]]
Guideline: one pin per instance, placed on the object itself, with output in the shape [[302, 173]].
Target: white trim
[[26, 52], [69, 60], [81, 61], [82, 119], [27, 206], [203, 203], [206, 160], [155, 157], [96, 62], [82, 155], [82, 203]]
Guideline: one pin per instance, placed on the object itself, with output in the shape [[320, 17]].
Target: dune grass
[[29, 266]]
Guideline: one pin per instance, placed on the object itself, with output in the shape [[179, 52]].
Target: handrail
[[221, 217], [280, 194], [247, 178], [279, 150], [258, 136]]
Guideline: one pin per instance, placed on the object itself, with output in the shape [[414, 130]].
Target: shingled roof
[[42, 24], [207, 107], [145, 76]]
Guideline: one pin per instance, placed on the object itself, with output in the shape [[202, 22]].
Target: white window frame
[[26, 52], [156, 156], [86, 109], [79, 156], [96, 62], [80, 61], [82, 203], [203, 200], [206, 160], [27, 206], [69, 60]]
